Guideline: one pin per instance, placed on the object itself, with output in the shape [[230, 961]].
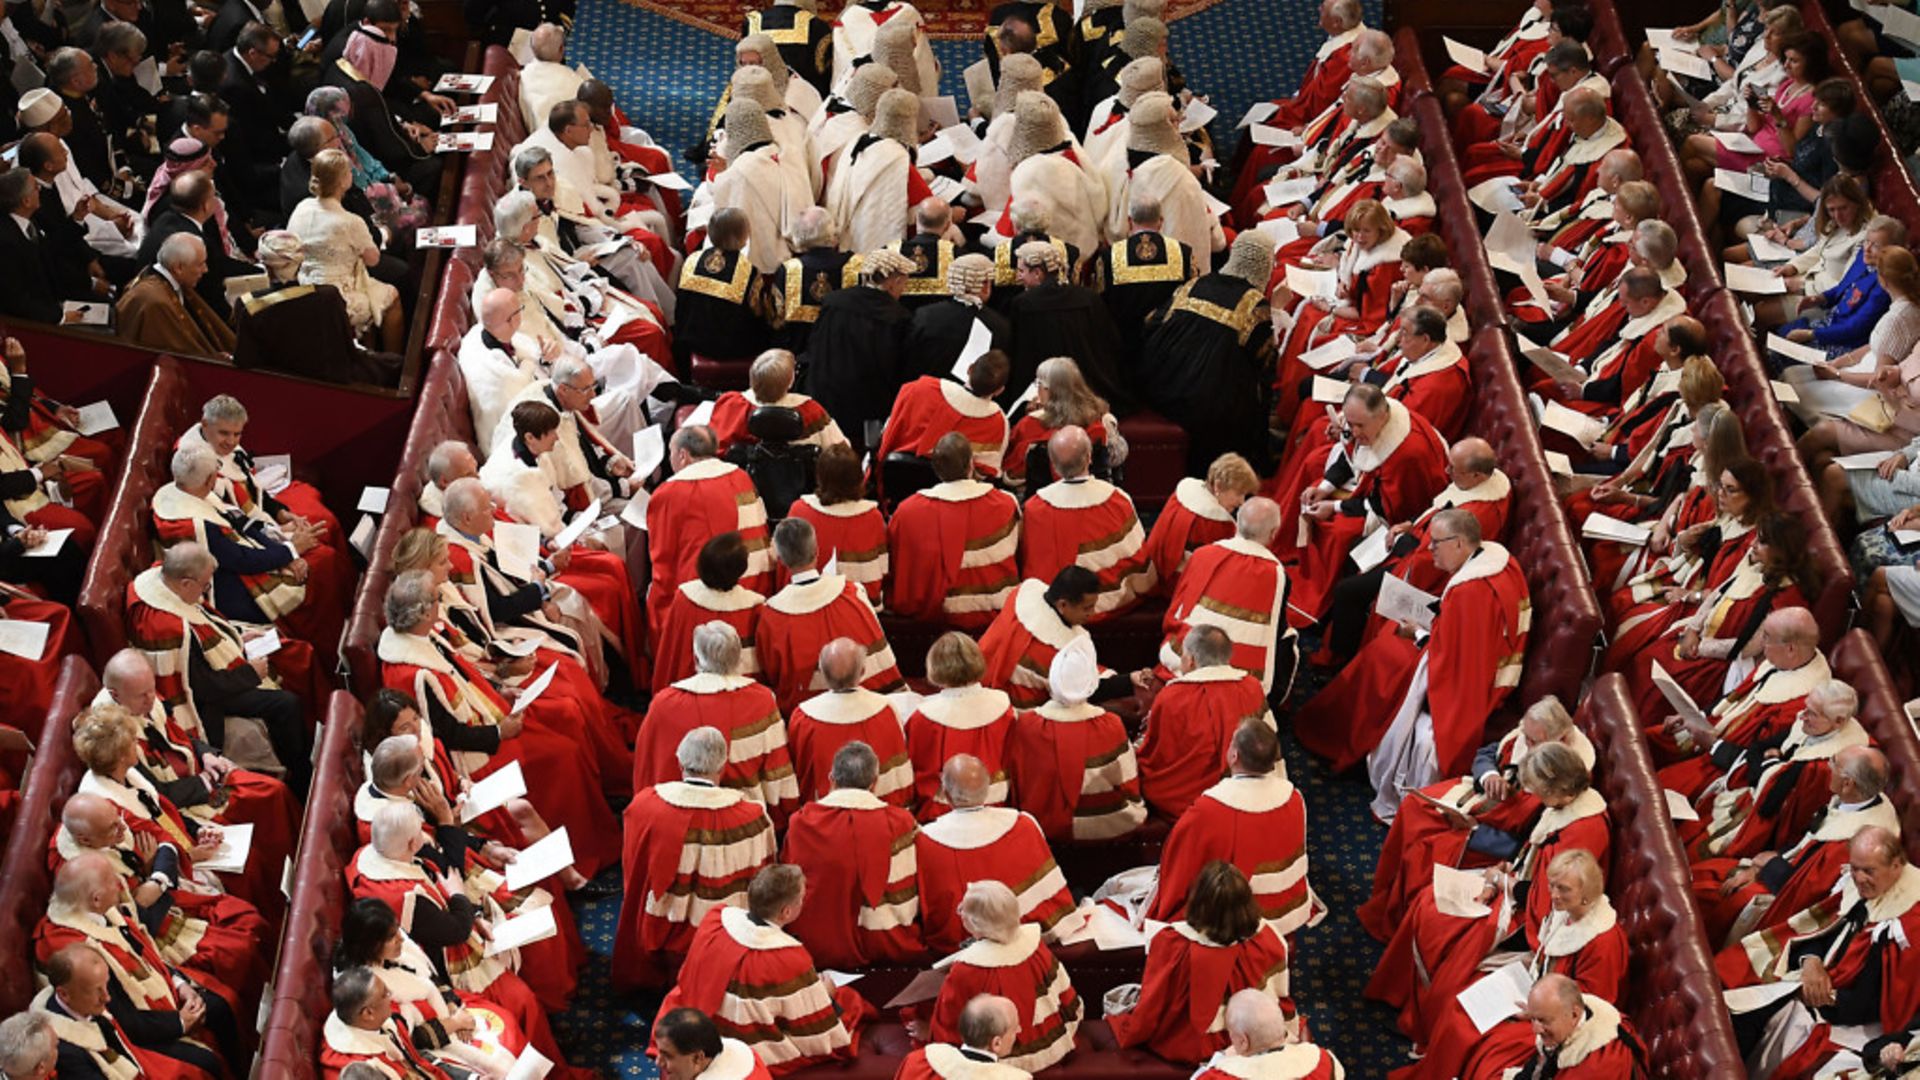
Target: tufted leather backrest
[[1608, 42], [1750, 394], [25, 881], [1675, 1003], [1414, 80], [1566, 619], [452, 306], [1893, 189], [125, 546], [1856, 661], [1633, 107], [301, 981], [1455, 219]]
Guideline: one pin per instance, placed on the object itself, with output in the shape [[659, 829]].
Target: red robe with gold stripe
[[1189, 521], [973, 720], [1239, 586], [1182, 1011], [694, 505], [1021, 643], [985, 842], [731, 411], [954, 548], [863, 901], [1025, 972], [930, 407], [1601, 1048], [852, 534], [1294, 1061], [1076, 771], [799, 620], [1258, 823], [691, 846], [1189, 727], [695, 604], [744, 711], [823, 723], [1088, 522]]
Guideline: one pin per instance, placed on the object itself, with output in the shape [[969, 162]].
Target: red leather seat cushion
[[1156, 461]]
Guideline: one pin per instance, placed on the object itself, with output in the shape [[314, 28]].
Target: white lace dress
[[334, 238]]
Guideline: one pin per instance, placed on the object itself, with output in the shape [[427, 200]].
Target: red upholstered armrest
[[452, 307], [24, 880], [1856, 661], [1413, 70], [1608, 42], [1633, 107], [1456, 222], [1156, 459], [1675, 1003]]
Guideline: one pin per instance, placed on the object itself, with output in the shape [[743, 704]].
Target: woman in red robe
[[1193, 966], [715, 594], [963, 718], [1200, 512], [1007, 958], [1367, 270], [849, 530], [1516, 898], [1581, 939]]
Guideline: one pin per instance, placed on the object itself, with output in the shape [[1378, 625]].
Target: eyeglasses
[[1434, 542]]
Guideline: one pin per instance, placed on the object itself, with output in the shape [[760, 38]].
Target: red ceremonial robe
[[26, 686], [930, 407], [1470, 663], [954, 548], [979, 843], [1189, 521], [744, 711], [1021, 643], [694, 604], [1814, 862], [1599, 1049], [1090, 523], [108, 1048], [970, 719], [758, 985], [1294, 1061], [1188, 730], [1259, 824], [1640, 610], [1029, 430], [731, 410], [1077, 774], [691, 846], [825, 722], [1024, 971], [1770, 806], [389, 1050], [47, 436], [1437, 386], [422, 997], [1759, 710], [799, 621], [863, 903], [694, 505], [853, 535], [1182, 1011], [1239, 586], [1322, 84], [945, 1061], [1421, 837]]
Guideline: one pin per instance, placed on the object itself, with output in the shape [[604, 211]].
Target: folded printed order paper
[[1400, 602], [1753, 280], [492, 793], [236, 842], [540, 860]]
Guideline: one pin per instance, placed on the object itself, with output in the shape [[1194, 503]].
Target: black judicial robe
[[1066, 320], [1136, 277], [857, 357], [1205, 364], [931, 256], [940, 332], [718, 309], [804, 282], [805, 40]]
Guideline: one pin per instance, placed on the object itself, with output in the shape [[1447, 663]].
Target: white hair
[[394, 826], [192, 465], [702, 752]]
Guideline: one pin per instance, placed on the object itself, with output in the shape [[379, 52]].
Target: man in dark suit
[[72, 265], [72, 74], [26, 292], [190, 210], [257, 140], [303, 329], [130, 109], [227, 23]]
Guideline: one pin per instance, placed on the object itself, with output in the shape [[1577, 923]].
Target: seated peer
[[863, 910]]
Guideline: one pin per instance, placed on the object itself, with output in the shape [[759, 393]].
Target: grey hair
[[1144, 209], [528, 157], [352, 989], [716, 648], [1657, 240], [223, 407], [1030, 215], [1443, 283], [794, 542], [1551, 715], [1347, 11], [393, 825], [1411, 174], [513, 211], [440, 460], [989, 910], [309, 134], [1837, 695], [64, 64], [394, 758], [411, 600], [1889, 226], [702, 752], [464, 496], [1463, 523], [855, 765], [814, 228], [549, 42], [192, 465], [1367, 91], [1207, 646], [570, 367], [185, 560], [180, 249], [1373, 45], [27, 1042], [120, 39]]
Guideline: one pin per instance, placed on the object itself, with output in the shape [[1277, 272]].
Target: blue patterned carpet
[[667, 76]]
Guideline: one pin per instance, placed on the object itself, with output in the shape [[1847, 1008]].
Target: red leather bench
[[1455, 220], [453, 313], [290, 1044], [24, 879], [1156, 459], [1566, 619], [1633, 107], [1674, 998], [125, 546], [1608, 42], [1856, 661], [1414, 81]]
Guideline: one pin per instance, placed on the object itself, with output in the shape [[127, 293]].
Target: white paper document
[[373, 500], [526, 928], [578, 527], [701, 415], [540, 860], [1498, 996], [1683, 63], [1511, 247], [455, 82], [56, 539], [1465, 55], [1793, 350], [484, 113], [1111, 932], [1664, 39], [1897, 23], [273, 471], [1554, 365], [1496, 195], [1370, 552], [531, 692], [1196, 115], [1742, 183], [530, 1065], [1683, 704], [518, 546], [965, 144], [841, 978], [1306, 282], [1583, 429], [506, 782], [635, 512], [1785, 393], [447, 236], [942, 110], [1457, 892], [1400, 602], [96, 418], [1284, 231], [463, 142], [1752, 280], [75, 313], [649, 450], [1906, 537], [236, 841], [23, 638], [1337, 351], [1749, 998], [1869, 460], [362, 538], [1260, 111], [1738, 141], [1678, 808], [1287, 192], [1266, 135], [1558, 463], [1600, 526], [979, 340], [263, 646], [1330, 391]]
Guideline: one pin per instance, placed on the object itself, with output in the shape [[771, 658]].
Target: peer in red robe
[[1181, 1014], [976, 842], [1758, 711], [965, 719], [799, 620], [1325, 77], [51, 430], [1601, 1047], [26, 686], [1077, 774], [1255, 820], [758, 765], [388, 1049], [759, 985], [954, 548], [107, 1046], [723, 559], [1196, 516], [1085, 521], [691, 846], [1023, 970], [702, 499], [1030, 630], [1738, 897], [863, 904], [1188, 728], [930, 407], [946, 1061], [820, 725], [1289, 1061], [1239, 586], [1767, 800], [852, 537]]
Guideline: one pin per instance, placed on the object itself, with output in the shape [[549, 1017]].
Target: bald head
[[1255, 1023], [1472, 461], [1257, 520], [964, 780], [1790, 638], [92, 821], [500, 313], [1859, 774], [841, 662], [1070, 451], [128, 679], [932, 215], [989, 1022], [1621, 166], [1585, 109]]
